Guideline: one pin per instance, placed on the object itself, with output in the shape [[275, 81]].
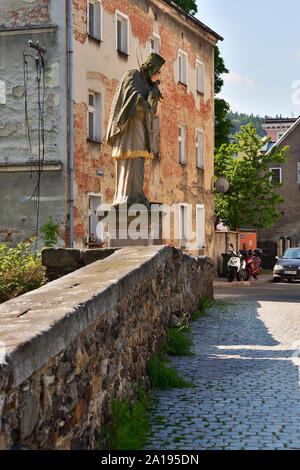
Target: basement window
[[200, 226], [94, 19], [122, 32], [182, 67], [183, 225], [94, 117]]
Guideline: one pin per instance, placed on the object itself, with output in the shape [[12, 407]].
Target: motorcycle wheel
[[231, 275], [247, 275]]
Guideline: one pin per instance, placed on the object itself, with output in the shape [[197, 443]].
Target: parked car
[[288, 266]]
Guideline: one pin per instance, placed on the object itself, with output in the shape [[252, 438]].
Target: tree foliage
[[223, 123], [251, 198], [242, 119], [188, 5]]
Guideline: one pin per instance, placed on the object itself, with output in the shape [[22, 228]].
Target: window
[[155, 43], [95, 228], [182, 143], [94, 117], [94, 19], [183, 225], [182, 67], [199, 76], [200, 148], [276, 175], [122, 32], [298, 172], [200, 226]]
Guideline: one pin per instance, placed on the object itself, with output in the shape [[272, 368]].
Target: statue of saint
[[129, 129]]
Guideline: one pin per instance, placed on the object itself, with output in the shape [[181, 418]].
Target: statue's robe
[[129, 133]]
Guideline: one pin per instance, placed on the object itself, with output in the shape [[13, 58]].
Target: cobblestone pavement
[[246, 375]]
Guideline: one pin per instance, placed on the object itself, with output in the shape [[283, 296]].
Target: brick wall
[[22, 13]]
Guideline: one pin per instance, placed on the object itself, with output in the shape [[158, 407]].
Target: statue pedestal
[[136, 225]]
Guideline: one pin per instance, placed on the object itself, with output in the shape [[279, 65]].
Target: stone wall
[[71, 346], [61, 261]]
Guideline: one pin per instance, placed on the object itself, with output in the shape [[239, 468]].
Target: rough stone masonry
[[72, 345]]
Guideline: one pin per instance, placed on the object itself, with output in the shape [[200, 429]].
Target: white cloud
[[235, 107], [296, 54], [237, 79]]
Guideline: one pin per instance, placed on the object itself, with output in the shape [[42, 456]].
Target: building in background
[[108, 38], [286, 231]]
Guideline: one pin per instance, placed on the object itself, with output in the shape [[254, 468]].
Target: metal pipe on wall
[[71, 156]]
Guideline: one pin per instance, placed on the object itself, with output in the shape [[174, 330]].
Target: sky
[[261, 49]]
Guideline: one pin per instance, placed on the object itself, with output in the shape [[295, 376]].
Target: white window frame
[[200, 69], [182, 67], [200, 226], [93, 214], [2, 92], [124, 18], [97, 22], [280, 173], [94, 109], [157, 41], [184, 225], [200, 147], [182, 155]]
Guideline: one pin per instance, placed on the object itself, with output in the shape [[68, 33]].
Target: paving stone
[[247, 382]]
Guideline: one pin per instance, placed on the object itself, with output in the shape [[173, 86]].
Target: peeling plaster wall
[[18, 212], [99, 67]]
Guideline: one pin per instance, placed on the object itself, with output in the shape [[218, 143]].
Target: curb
[[220, 284]]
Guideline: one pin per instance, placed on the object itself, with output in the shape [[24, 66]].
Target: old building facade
[[108, 38]]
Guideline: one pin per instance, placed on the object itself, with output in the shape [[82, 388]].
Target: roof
[[280, 120], [286, 134], [192, 18]]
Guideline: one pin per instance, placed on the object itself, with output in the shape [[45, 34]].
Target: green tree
[[188, 5], [51, 231], [251, 198], [223, 124]]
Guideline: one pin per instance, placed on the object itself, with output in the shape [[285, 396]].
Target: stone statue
[[129, 129]]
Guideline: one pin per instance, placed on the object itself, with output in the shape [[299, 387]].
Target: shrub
[[20, 271], [51, 231]]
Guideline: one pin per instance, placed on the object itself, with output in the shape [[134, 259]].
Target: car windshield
[[292, 253]]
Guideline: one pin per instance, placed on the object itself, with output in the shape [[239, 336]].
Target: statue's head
[[152, 64]]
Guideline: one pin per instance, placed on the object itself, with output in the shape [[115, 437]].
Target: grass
[[162, 377], [203, 304], [128, 426], [179, 343]]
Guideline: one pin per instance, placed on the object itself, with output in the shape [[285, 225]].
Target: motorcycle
[[253, 263], [236, 265]]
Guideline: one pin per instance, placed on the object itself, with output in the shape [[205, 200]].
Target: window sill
[[93, 141], [182, 163], [200, 168], [181, 83], [123, 54], [200, 92], [94, 38]]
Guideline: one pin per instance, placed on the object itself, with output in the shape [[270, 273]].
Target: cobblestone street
[[246, 375]]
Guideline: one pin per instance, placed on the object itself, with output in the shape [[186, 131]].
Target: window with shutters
[[200, 145], [182, 143], [122, 32], [94, 19], [183, 225], [182, 67], [155, 43], [199, 76], [94, 117], [200, 226]]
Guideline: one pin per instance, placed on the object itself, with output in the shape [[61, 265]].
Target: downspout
[[71, 155]]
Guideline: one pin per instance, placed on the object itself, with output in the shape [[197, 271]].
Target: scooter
[[236, 265], [253, 263]]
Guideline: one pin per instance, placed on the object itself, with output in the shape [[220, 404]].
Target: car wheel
[[276, 279], [290, 280]]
